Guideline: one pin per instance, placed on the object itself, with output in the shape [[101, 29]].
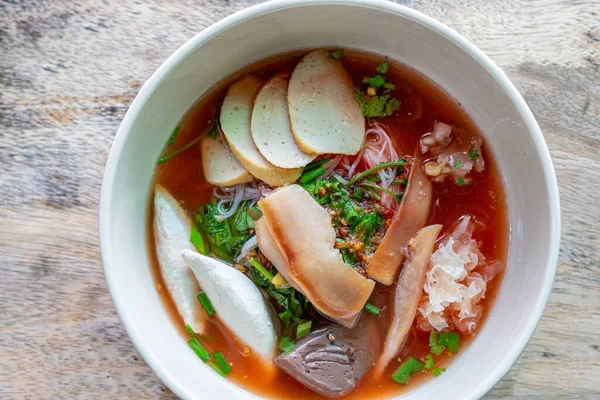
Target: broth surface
[[423, 104]]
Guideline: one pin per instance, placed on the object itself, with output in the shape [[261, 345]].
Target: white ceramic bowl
[[377, 26]]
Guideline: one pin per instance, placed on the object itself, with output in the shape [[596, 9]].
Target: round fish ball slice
[[270, 126], [220, 166]]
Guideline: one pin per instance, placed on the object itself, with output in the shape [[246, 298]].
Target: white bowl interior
[[386, 29]]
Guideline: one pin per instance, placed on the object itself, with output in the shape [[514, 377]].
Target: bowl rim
[[241, 16]]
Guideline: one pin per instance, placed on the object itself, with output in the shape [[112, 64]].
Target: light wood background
[[68, 72]]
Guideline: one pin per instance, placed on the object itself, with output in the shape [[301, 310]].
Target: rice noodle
[[248, 245], [230, 197]]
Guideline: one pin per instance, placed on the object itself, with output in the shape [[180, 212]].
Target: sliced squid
[[271, 126], [302, 231], [172, 236], [411, 216], [407, 295], [324, 116], [238, 302], [235, 117]]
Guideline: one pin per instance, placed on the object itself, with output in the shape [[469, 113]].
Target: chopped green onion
[[189, 329], [357, 194], [460, 181], [217, 369], [348, 258], [324, 199], [457, 163], [429, 362], [390, 164], [315, 164], [450, 340], [286, 345], [199, 349], [187, 146], [203, 298], [398, 196], [383, 68], [303, 329], [336, 55], [312, 175], [222, 362], [389, 86], [173, 136], [351, 213], [407, 369], [376, 81], [260, 268], [198, 240], [374, 194], [372, 309], [437, 371], [473, 154]]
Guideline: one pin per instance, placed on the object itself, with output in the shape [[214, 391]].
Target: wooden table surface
[[68, 73]]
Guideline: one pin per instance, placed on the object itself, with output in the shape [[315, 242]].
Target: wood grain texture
[[68, 73]]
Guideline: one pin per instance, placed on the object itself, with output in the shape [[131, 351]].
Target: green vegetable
[[303, 329], [217, 369], [315, 164], [383, 68], [286, 345], [398, 196], [255, 213], [389, 86], [457, 163], [203, 299], [376, 106], [173, 136], [357, 194], [407, 369], [199, 349], [473, 154], [222, 362], [437, 371], [367, 226], [198, 241], [261, 269], [390, 164], [351, 213], [336, 55], [312, 175], [460, 181], [376, 81], [450, 340], [429, 363], [189, 329], [372, 309], [187, 146], [349, 258], [434, 343]]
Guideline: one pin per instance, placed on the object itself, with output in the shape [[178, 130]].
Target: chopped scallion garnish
[[315, 164], [203, 298], [390, 164], [198, 240], [351, 213], [372, 309], [408, 368], [460, 181], [174, 136], [389, 86], [199, 349], [222, 362], [457, 163], [383, 68], [260, 268], [189, 329], [217, 369], [286, 345], [336, 55], [312, 175], [303, 329], [473, 153]]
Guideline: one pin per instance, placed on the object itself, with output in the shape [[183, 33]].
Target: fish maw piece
[[235, 118], [238, 302], [332, 368], [411, 216], [324, 116], [408, 293], [172, 229], [302, 231], [269, 248]]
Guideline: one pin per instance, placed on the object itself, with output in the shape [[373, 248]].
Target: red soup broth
[[423, 104]]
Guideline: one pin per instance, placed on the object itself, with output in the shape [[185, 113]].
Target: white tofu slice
[[270, 126], [235, 118], [172, 236], [238, 302], [220, 166], [324, 116]]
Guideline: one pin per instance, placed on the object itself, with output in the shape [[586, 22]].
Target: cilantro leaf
[[450, 340], [286, 345], [376, 81], [376, 106], [437, 371], [383, 68], [336, 55], [457, 163], [473, 154], [434, 343], [429, 363], [408, 368]]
